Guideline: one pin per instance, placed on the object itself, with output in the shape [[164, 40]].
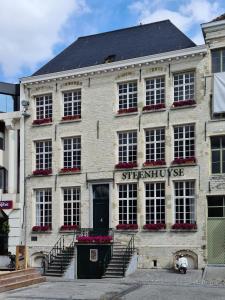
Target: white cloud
[[186, 16], [29, 29]]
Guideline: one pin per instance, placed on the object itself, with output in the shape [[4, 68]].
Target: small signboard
[[6, 204]]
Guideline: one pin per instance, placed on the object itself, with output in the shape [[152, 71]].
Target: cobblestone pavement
[[143, 284]]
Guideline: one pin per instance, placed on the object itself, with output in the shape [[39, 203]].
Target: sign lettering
[[153, 173], [6, 204]]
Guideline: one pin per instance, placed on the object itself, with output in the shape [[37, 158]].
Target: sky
[[34, 31]]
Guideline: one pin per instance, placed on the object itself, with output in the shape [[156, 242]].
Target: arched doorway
[[4, 231]]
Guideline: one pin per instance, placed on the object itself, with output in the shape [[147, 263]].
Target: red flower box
[[188, 160], [94, 239], [127, 110], [69, 227], [157, 226], [41, 228], [42, 121], [155, 163], [186, 226], [127, 226], [183, 103], [74, 117], [154, 107], [42, 172], [129, 165], [68, 170]]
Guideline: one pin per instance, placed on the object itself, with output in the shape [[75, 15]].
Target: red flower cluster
[[127, 110], [127, 226], [42, 121], [178, 161], [75, 117], [129, 165], [67, 170], [69, 227], [41, 228], [94, 239], [155, 163], [42, 172], [183, 103], [184, 226], [157, 226], [154, 107]]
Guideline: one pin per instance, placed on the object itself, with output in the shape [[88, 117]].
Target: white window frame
[[154, 87], [155, 186], [221, 150], [75, 163], [43, 206], [220, 51], [183, 198], [130, 209], [129, 146], [157, 146], [187, 87], [128, 94], [44, 110], [72, 196], [74, 103], [45, 155], [184, 141]]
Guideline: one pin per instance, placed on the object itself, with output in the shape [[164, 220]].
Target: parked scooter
[[181, 264]]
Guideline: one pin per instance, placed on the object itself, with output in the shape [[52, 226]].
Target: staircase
[[19, 279], [58, 259], [120, 259]]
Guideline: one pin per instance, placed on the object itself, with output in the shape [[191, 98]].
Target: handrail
[[127, 253]]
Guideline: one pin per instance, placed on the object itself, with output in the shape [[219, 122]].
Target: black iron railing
[[95, 232], [127, 253]]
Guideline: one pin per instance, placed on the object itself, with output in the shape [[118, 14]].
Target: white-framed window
[[155, 144], [155, 90], [127, 95], [72, 152], [184, 86], [218, 154], [72, 103], [155, 202], [44, 207], [127, 147], [184, 141], [184, 200], [43, 107], [127, 203], [71, 205], [43, 155], [218, 60]]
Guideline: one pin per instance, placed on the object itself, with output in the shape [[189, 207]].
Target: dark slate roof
[[220, 18], [118, 45]]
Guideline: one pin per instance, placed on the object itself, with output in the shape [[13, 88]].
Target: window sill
[[69, 231], [126, 114], [155, 167], [44, 124], [70, 121], [184, 106], [154, 230], [41, 232], [153, 111], [69, 173], [41, 175], [126, 230], [183, 230], [184, 165]]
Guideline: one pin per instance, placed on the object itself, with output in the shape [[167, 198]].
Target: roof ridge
[[123, 29]]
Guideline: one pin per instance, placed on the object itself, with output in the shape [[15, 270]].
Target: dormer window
[[218, 60]]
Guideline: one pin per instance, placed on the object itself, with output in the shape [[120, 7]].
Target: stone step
[[22, 283], [54, 274], [18, 278], [19, 272], [112, 276]]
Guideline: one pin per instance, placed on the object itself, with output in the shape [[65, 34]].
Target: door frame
[[91, 201]]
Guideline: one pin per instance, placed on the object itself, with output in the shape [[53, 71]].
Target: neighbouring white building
[[119, 136]]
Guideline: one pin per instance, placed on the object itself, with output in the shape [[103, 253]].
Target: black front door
[[101, 209]]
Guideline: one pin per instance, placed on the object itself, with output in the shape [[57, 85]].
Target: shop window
[[127, 203], [72, 153], [155, 202], [218, 154], [184, 87], [184, 141], [218, 60], [43, 155], [72, 103], [44, 207], [127, 97], [71, 202], [127, 147], [216, 207], [155, 91], [155, 145], [44, 107], [184, 200]]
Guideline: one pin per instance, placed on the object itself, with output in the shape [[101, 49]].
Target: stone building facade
[[122, 145]]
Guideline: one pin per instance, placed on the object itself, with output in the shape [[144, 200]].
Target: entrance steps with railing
[[119, 261], [19, 279]]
